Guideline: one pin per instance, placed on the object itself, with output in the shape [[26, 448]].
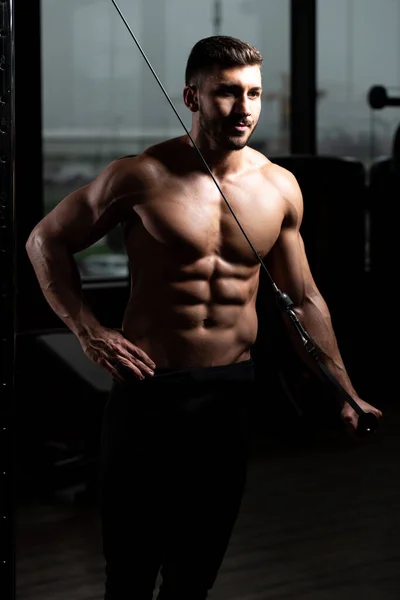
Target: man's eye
[[254, 94]]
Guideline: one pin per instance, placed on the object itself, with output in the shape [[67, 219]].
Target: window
[[358, 47], [101, 101]]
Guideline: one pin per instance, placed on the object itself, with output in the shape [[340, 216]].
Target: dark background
[[58, 398]]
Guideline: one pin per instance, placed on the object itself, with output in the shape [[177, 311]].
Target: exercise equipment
[[378, 98]]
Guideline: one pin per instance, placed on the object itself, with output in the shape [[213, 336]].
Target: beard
[[216, 130]]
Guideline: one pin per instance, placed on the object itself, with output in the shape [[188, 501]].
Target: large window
[[101, 101], [358, 47]]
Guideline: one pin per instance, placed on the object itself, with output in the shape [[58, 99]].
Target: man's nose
[[243, 106]]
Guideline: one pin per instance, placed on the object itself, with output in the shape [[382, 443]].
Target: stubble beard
[[222, 140]]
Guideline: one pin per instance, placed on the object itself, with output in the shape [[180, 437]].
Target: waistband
[[240, 371], [231, 373]]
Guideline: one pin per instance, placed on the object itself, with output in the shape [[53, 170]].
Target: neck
[[222, 162]]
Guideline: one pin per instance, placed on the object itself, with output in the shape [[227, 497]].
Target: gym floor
[[319, 521]]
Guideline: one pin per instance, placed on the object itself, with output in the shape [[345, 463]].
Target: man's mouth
[[241, 126]]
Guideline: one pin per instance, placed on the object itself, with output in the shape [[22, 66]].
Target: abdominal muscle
[[193, 323]]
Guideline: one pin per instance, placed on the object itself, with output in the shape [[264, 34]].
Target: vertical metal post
[[7, 298], [303, 113], [31, 308]]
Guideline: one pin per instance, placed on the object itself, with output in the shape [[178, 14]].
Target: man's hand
[[111, 350], [350, 417]]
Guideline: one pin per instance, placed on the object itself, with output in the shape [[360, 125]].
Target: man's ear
[[190, 98]]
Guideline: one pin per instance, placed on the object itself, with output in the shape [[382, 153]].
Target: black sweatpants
[[174, 456]]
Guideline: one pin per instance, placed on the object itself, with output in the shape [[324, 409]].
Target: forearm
[[316, 319], [60, 282]]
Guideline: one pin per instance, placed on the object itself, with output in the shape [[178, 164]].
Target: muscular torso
[[194, 277]]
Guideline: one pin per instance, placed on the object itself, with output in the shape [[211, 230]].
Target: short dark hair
[[220, 50]]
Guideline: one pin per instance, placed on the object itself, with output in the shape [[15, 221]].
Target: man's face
[[230, 105]]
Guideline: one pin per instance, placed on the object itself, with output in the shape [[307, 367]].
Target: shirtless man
[[175, 436]]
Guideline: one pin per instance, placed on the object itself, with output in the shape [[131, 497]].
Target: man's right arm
[[77, 222]]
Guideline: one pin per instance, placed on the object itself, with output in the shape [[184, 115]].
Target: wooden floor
[[319, 521]]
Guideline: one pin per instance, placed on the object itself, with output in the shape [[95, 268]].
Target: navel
[[208, 322]]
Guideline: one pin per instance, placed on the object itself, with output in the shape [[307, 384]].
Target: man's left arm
[[288, 265]]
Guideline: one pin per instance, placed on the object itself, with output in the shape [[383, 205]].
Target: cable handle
[[367, 421]]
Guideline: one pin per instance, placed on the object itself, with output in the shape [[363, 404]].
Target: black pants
[[174, 456]]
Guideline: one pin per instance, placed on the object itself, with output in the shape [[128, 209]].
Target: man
[[175, 431]]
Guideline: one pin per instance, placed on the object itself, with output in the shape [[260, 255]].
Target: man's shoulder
[[285, 183], [281, 178], [160, 159], [256, 158], [148, 164]]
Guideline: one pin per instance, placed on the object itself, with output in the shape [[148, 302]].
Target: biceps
[[77, 222], [288, 265]]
